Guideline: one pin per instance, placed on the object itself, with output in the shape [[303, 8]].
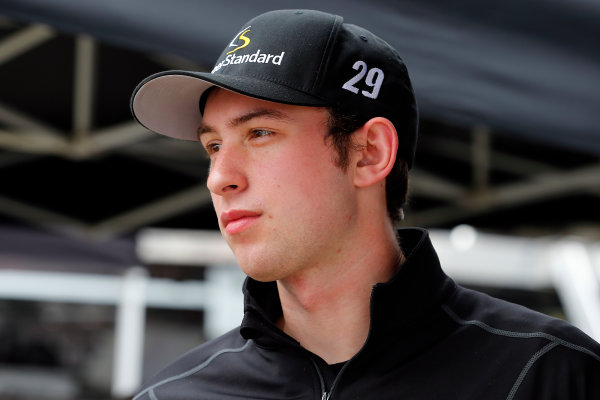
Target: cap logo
[[258, 57], [240, 36]]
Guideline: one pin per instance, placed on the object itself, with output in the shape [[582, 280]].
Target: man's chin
[[259, 272]]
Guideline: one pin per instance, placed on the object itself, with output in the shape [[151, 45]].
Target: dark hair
[[341, 126]]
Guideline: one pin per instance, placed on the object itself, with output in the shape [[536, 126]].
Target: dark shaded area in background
[[528, 69]]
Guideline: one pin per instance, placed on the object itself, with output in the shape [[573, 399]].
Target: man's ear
[[379, 145]]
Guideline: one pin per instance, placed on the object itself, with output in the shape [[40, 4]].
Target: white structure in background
[[222, 300], [577, 280], [219, 294]]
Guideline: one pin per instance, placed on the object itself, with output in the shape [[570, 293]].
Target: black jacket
[[429, 339]]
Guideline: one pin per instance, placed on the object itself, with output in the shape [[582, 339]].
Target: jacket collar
[[406, 300]]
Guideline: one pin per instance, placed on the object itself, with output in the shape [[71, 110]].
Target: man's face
[[283, 205]]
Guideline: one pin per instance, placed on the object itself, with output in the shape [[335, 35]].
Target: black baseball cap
[[298, 57]]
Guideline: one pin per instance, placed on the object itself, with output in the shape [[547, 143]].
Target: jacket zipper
[[335, 381], [324, 395], [327, 395]]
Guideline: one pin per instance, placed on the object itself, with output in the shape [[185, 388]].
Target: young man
[[310, 125]]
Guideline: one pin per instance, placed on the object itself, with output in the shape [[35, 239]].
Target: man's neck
[[327, 309]]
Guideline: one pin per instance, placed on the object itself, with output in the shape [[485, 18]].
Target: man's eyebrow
[[263, 112], [204, 129]]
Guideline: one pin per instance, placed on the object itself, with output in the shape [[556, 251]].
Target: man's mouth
[[236, 221]]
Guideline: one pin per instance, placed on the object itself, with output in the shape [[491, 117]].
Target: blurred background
[[111, 263]]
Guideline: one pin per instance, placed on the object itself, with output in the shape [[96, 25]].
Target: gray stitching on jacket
[[524, 335], [555, 341], [528, 366], [189, 372]]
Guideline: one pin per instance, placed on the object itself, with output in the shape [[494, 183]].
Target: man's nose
[[226, 174]]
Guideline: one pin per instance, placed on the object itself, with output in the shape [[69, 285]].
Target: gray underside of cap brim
[[168, 103]]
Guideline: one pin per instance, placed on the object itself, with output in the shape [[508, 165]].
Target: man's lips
[[235, 221]]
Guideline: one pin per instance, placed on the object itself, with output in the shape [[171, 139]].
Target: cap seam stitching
[[326, 54]]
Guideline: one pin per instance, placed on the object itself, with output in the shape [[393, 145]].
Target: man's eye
[[212, 148], [258, 133]]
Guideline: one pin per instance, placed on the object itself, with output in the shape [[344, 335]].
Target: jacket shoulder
[[499, 317], [549, 357], [195, 361]]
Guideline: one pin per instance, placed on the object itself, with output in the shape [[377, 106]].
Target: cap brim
[[169, 102]]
